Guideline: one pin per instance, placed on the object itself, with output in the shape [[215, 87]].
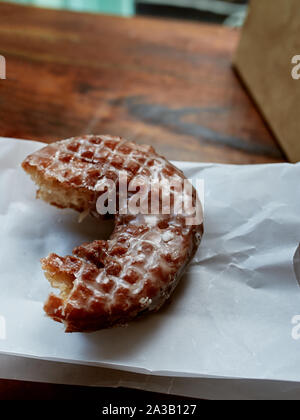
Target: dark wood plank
[[166, 83]]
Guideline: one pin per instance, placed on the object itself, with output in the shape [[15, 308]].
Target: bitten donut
[[108, 283]]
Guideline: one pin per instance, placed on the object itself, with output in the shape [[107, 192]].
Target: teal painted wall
[[118, 7]]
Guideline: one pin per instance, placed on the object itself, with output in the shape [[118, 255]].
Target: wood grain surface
[[166, 83]]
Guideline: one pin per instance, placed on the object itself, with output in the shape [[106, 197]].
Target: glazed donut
[[108, 283]]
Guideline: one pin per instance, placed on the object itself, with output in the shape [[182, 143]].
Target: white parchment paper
[[231, 316], [37, 370]]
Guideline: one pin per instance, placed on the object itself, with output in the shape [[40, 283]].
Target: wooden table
[[166, 83]]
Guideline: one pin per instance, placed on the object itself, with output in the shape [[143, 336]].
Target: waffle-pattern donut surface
[[108, 283]]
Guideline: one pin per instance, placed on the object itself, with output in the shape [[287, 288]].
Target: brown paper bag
[[268, 61]]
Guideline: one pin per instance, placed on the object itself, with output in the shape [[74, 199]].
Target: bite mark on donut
[[59, 279]]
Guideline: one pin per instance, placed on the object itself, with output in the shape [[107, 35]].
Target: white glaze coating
[[140, 265]]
